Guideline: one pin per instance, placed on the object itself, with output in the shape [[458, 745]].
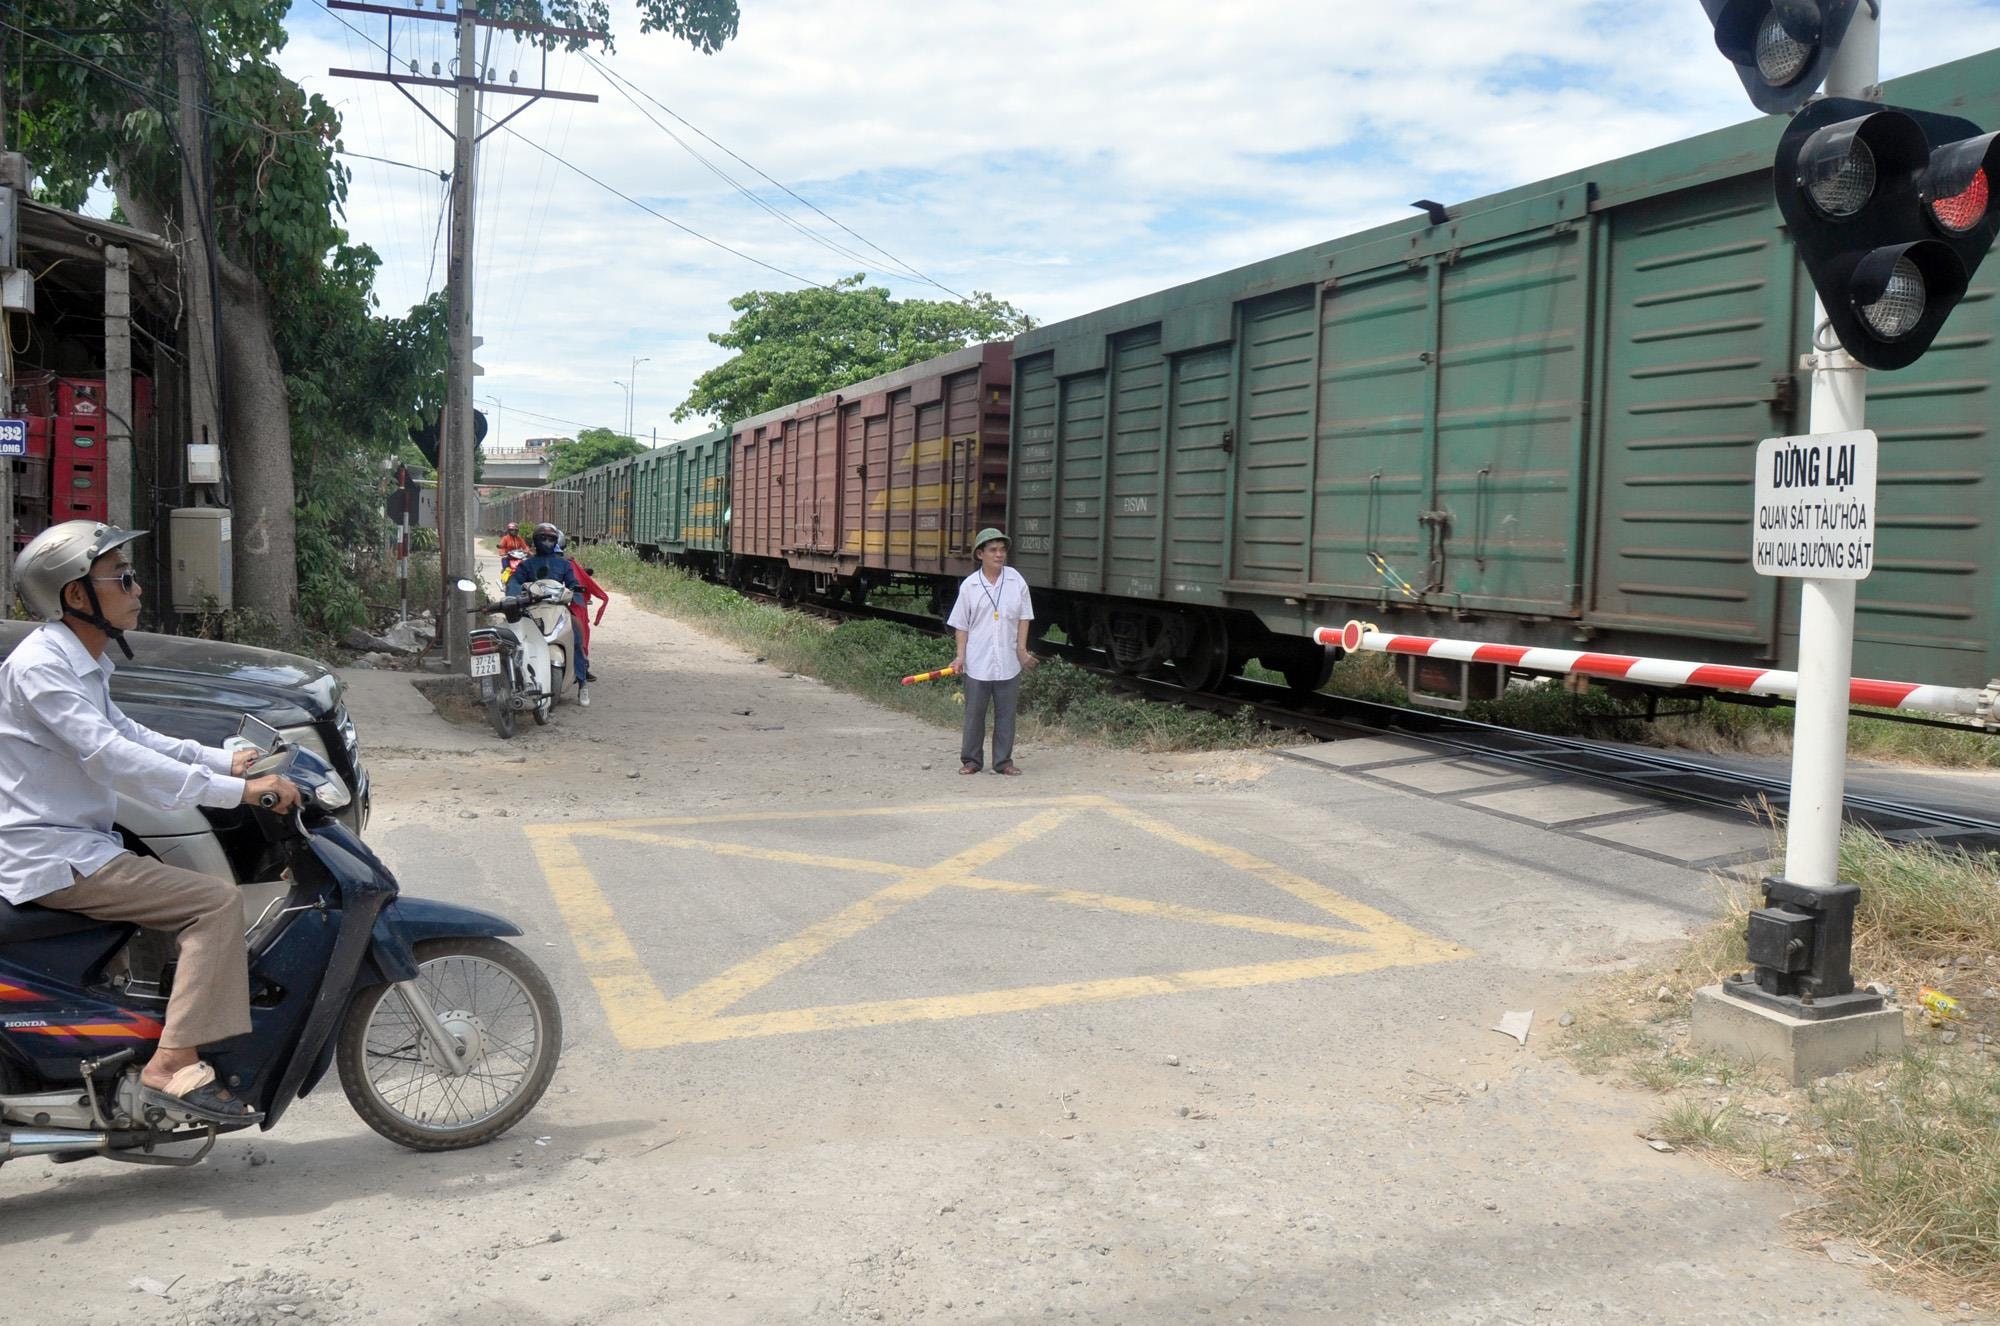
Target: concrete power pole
[[197, 280], [457, 499]]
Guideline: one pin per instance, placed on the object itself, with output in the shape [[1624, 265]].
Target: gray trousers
[[1004, 696], [211, 999]]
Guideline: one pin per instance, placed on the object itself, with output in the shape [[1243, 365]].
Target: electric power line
[[608, 188], [614, 82], [774, 183]]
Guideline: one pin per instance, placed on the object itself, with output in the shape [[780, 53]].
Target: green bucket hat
[[988, 535]]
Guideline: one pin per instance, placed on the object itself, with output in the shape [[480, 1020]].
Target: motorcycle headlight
[[332, 793]]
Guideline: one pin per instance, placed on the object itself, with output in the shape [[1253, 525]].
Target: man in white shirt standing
[[991, 620], [66, 752]]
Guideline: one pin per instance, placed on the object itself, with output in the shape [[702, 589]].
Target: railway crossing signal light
[[1892, 211], [1781, 48]]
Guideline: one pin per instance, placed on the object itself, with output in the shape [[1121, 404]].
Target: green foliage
[[869, 658], [93, 96], [792, 345], [589, 449], [702, 24]]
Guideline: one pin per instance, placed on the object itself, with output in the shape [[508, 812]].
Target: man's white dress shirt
[[66, 752], [990, 615]]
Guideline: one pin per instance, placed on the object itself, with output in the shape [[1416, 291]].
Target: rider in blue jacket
[[546, 563]]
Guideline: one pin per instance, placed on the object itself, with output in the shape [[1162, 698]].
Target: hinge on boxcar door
[[1440, 527], [1228, 441], [1784, 393]]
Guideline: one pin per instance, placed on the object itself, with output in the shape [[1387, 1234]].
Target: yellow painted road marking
[[644, 1018]]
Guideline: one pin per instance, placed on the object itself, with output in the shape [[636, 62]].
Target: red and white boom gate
[[1982, 706]]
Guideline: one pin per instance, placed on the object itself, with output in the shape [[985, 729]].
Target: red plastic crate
[[80, 398], [79, 438], [38, 436], [78, 492], [34, 393], [84, 398]]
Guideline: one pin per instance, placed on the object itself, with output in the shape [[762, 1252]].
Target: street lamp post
[[632, 391], [628, 401]]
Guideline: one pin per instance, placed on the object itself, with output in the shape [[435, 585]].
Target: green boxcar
[[1541, 413], [699, 516]]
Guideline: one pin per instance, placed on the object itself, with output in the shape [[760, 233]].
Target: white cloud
[[1061, 155]]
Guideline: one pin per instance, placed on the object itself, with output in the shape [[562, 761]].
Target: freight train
[[1532, 422]]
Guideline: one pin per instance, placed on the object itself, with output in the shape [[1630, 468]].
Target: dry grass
[[1902, 1159]]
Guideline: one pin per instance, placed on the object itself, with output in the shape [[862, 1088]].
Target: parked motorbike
[[444, 1036], [523, 664]]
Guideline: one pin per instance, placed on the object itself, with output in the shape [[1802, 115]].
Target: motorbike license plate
[[485, 665]]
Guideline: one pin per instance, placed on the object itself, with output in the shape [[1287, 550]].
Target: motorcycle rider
[[66, 751], [512, 541], [548, 563]]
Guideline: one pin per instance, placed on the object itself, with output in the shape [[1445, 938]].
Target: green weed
[[870, 658]]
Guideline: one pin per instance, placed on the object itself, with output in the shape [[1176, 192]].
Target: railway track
[[1658, 774]]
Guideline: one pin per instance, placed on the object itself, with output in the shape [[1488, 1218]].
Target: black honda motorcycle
[[445, 1036]]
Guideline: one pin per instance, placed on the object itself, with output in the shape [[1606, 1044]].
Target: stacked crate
[[66, 474], [81, 475], [34, 402]]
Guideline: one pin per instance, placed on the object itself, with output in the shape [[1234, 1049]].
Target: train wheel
[[1206, 662], [1307, 669]]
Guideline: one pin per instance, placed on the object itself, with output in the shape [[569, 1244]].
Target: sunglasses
[[125, 580]]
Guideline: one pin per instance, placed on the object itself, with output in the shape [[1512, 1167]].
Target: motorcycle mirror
[[464, 586]]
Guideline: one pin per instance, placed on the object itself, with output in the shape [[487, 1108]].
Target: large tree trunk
[[257, 427], [254, 410]]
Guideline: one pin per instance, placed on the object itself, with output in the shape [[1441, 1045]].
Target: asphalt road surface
[[852, 1038]]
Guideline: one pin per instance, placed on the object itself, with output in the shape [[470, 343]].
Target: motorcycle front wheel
[[541, 711], [497, 1003]]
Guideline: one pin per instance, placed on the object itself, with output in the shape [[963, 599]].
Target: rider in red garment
[[579, 610]]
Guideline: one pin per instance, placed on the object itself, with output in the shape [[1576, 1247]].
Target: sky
[[1064, 155]]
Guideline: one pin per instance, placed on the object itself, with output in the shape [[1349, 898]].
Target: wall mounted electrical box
[[199, 538]]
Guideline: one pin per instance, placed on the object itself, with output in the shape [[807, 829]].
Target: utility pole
[[197, 281], [457, 499], [455, 493], [13, 184]]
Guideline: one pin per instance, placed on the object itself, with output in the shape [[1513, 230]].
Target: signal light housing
[[1892, 212], [1781, 48]]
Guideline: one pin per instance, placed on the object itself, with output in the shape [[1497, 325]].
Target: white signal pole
[[1826, 607]]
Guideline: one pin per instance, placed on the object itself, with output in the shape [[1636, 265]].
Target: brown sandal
[[1008, 769], [968, 768]]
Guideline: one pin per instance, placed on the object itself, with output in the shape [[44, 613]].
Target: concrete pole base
[[1793, 1048]]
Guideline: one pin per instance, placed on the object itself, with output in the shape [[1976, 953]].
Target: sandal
[[1008, 768], [968, 768], [193, 1095]]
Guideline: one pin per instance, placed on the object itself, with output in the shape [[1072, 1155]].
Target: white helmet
[[60, 554]]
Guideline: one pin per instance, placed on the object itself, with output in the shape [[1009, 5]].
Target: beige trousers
[[211, 998]]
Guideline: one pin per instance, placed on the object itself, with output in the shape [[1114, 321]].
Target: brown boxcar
[[892, 476]]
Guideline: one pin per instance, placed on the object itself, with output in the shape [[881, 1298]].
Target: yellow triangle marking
[[643, 1018]]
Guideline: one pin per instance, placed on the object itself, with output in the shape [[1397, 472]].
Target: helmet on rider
[[61, 556], [547, 537], [513, 527]]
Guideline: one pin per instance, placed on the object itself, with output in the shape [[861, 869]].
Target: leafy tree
[[97, 94], [589, 449], [792, 345]]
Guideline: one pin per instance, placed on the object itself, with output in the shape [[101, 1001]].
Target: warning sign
[[1815, 512]]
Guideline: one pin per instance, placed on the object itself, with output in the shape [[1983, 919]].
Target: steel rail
[[1661, 775]]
